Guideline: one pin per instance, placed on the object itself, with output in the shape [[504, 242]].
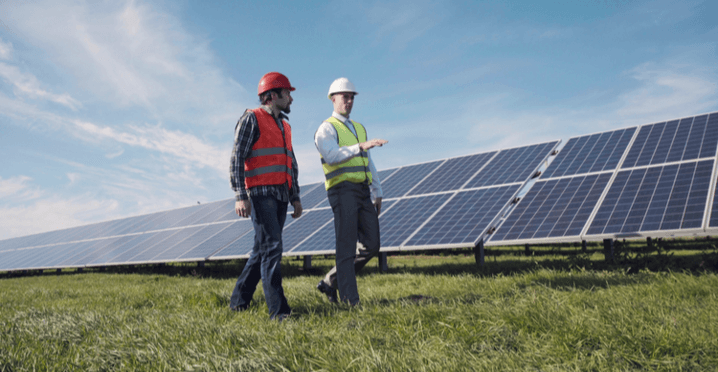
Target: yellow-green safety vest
[[355, 169]]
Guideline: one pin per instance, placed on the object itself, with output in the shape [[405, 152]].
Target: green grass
[[543, 312]]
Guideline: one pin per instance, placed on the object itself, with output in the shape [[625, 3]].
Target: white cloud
[[17, 187], [73, 177], [178, 144], [27, 84], [131, 54], [669, 91], [52, 213], [5, 50]]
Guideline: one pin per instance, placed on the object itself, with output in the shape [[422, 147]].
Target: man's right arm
[[244, 138]]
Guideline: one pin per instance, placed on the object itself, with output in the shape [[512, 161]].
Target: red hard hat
[[272, 80]]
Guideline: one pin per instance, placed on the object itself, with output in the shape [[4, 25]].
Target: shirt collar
[[339, 116]]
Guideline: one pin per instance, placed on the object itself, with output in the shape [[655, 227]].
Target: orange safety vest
[[270, 162]]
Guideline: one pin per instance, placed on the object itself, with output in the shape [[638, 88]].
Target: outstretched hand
[[372, 143]]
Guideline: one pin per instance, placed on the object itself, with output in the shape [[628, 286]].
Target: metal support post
[[383, 262], [307, 263], [527, 249], [583, 246], [479, 253], [608, 249], [200, 264]]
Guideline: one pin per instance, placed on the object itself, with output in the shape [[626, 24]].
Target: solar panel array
[[652, 180], [420, 201]]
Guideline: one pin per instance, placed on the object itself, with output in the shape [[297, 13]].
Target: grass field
[[557, 309]]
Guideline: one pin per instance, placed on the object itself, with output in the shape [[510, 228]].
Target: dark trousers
[[355, 218], [268, 215]]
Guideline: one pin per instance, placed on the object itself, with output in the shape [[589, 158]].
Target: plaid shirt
[[246, 134]]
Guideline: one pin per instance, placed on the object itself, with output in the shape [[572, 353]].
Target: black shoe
[[327, 290]]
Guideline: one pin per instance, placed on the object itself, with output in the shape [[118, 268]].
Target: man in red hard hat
[[263, 175]]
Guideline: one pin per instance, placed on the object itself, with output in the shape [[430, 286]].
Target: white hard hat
[[341, 85]]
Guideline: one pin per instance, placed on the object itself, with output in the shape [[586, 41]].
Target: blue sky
[[110, 109]]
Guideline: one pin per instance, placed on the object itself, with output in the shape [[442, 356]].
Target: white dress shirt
[[327, 141]]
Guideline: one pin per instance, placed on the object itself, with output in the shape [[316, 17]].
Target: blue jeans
[[268, 215]]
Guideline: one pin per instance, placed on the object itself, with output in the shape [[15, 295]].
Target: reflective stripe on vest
[[355, 169], [270, 161]]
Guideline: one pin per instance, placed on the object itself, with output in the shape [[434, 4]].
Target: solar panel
[[464, 219], [661, 187], [687, 139], [152, 239], [99, 250], [150, 253], [405, 178], [323, 241], [174, 252], [304, 226], [512, 165], [554, 209], [591, 153], [399, 222], [226, 207], [315, 195], [198, 213], [452, 174], [220, 240], [659, 198], [118, 249]]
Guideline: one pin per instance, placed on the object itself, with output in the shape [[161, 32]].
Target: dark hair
[[265, 97]]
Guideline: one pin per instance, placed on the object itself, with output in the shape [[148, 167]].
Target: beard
[[286, 110]]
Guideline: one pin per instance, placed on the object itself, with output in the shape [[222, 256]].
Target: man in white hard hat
[[352, 183]]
